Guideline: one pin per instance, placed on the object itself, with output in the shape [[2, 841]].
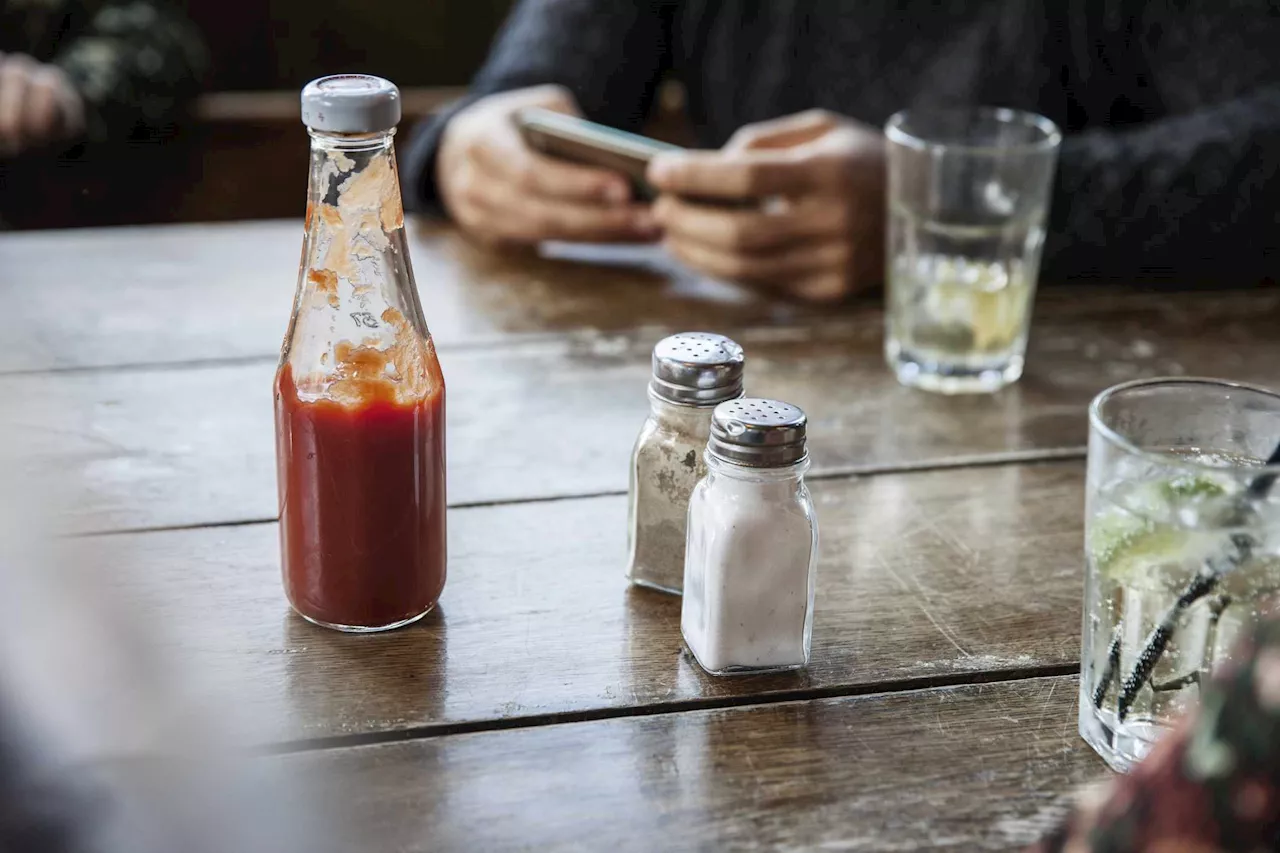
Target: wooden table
[[544, 703]]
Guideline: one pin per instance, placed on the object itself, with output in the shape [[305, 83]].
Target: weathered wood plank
[[986, 767], [105, 297], [556, 417], [924, 578]]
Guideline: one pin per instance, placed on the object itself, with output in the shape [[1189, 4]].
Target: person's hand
[[38, 104], [813, 224], [502, 191]]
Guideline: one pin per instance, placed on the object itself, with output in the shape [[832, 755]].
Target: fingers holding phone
[[792, 244], [796, 203], [502, 191]]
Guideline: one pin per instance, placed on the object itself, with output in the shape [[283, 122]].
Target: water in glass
[[960, 297]]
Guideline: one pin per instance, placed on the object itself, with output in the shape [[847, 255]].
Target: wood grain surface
[[545, 704], [985, 767], [923, 578], [171, 294], [557, 417], [106, 297]]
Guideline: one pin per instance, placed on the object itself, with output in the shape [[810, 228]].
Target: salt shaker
[[692, 373], [752, 543]]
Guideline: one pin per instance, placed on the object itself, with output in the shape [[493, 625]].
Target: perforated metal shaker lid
[[697, 369], [351, 103], [758, 433]]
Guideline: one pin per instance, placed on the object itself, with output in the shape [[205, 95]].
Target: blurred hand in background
[[502, 191], [805, 208], [111, 70], [39, 105]]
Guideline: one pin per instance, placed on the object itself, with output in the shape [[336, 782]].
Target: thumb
[[784, 132], [555, 98], [548, 97]]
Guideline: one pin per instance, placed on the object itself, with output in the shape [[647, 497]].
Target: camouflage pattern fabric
[[135, 62], [1211, 785]]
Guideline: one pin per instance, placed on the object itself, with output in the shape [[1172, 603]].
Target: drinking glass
[[1182, 549], [967, 196]]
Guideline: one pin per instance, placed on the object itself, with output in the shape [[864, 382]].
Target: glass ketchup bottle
[[359, 397]]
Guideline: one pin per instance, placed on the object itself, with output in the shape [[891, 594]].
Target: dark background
[[242, 152], [281, 44]]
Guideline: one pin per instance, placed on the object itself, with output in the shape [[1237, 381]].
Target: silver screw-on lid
[[697, 369], [351, 103], [758, 433]]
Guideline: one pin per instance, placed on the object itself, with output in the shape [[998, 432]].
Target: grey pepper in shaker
[[693, 372]]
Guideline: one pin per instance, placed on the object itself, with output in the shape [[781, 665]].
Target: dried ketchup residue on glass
[[362, 500]]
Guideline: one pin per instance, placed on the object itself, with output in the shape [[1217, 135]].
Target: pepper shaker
[[693, 372], [752, 543]]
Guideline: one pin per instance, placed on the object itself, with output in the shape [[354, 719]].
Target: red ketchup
[[362, 505]]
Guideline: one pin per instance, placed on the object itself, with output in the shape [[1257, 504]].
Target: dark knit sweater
[[1171, 110]]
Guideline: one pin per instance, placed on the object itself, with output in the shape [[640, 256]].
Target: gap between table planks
[[924, 578], [555, 418], [987, 767]]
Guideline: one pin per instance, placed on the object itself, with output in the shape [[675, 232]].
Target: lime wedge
[[1112, 534], [1145, 560], [1141, 540], [1162, 500], [1191, 486]]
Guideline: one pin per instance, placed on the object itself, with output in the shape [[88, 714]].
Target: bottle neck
[[337, 159], [351, 142]]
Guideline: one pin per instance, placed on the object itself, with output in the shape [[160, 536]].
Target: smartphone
[[592, 144]]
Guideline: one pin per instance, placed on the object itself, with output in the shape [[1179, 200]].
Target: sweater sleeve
[[610, 53], [1193, 195]]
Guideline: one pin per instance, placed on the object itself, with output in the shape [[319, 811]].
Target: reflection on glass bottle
[[359, 393]]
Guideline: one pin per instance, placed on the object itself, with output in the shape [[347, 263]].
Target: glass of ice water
[[1182, 549], [967, 196]]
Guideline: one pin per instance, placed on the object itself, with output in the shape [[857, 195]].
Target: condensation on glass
[[1182, 547]]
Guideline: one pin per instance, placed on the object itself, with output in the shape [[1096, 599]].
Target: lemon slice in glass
[[983, 296]]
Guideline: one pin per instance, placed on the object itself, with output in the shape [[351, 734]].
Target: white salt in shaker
[[752, 543], [692, 373]]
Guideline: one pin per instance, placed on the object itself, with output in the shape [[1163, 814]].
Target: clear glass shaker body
[[750, 568], [359, 405], [665, 466]]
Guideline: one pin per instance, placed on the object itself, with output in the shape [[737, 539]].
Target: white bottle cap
[[351, 103]]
